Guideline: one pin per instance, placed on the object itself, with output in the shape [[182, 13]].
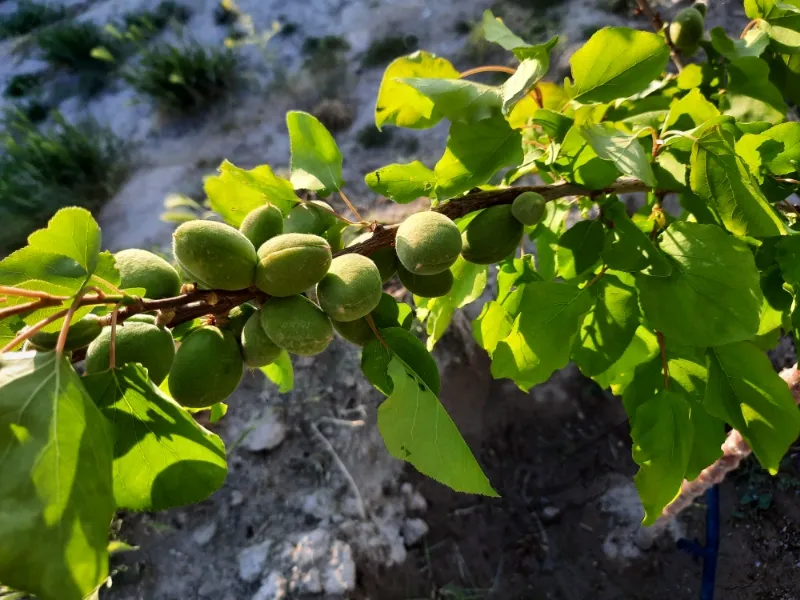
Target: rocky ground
[[313, 505]]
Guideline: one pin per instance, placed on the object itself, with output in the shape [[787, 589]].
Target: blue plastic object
[[710, 552]]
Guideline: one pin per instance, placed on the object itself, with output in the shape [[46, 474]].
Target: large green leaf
[[401, 105], [744, 390], [753, 43], [280, 372], [616, 62], [316, 161], [543, 333], [459, 100], [662, 434], [162, 456], [622, 149], [495, 31], [474, 153], [72, 233], [579, 249], [712, 297], [722, 179], [610, 325], [491, 325], [749, 95], [402, 183], [235, 191], [398, 342], [416, 428], [56, 497], [618, 376]]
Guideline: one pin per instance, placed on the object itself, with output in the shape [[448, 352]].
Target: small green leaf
[[398, 342], [280, 372], [417, 429], [514, 272], [618, 376], [546, 235], [662, 434], [474, 153], [616, 62], [543, 333], [218, 411], [235, 192], [754, 43], [623, 150], [744, 390], [316, 161], [553, 124], [579, 249], [788, 257], [779, 20], [491, 325], [692, 110], [459, 100], [786, 160], [527, 75], [403, 183], [749, 95], [401, 105], [56, 493], [722, 179], [712, 297], [495, 31], [628, 248]]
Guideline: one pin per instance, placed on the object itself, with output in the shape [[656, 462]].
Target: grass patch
[[383, 51], [42, 171], [185, 79], [28, 17], [152, 22], [20, 86], [370, 136]]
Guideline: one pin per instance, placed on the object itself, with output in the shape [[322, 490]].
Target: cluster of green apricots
[[284, 258]]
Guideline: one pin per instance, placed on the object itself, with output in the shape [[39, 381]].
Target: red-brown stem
[[62, 335], [748, 27], [12, 291], [372, 326], [537, 96], [23, 308], [664, 363], [30, 331], [594, 279], [351, 207], [487, 69]]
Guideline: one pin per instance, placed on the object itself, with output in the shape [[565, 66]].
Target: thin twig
[[351, 207], [596, 277], [28, 332], [658, 25], [487, 69], [362, 511], [664, 362], [12, 291], [374, 328], [23, 308], [62, 335]]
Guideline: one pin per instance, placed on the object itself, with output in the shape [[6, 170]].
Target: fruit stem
[[748, 27], [351, 207], [62, 335], [33, 329], [12, 291], [372, 326], [487, 69]]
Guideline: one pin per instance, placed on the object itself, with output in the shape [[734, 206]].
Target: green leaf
[[235, 192], [744, 390], [750, 96], [401, 105], [514, 272], [398, 342], [527, 75], [72, 233], [162, 457], [621, 149], [417, 429], [788, 257], [712, 297], [402, 183], [618, 376], [610, 325], [662, 434], [543, 333], [788, 155], [692, 110], [217, 412], [579, 163], [316, 162], [491, 326], [280, 372], [56, 493], [474, 153], [754, 43], [628, 248], [616, 62], [579, 249], [722, 179], [495, 31], [546, 235], [780, 21], [459, 100]]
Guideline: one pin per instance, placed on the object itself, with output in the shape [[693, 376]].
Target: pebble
[[305, 582], [310, 548], [252, 561], [414, 530], [205, 533], [340, 575], [273, 588], [550, 513], [237, 498], [268, 432]]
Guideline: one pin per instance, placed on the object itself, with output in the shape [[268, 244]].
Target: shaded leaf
[[459, 100], [622, 149], [754, 43], [495, 31], [527, 75], [579, 249], [750, 96]]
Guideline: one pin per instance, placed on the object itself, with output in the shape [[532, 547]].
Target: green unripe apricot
[[426, 286], [237, 317], [80, 335], [701, 7], [297, 325], [215, 255], [262, 224], [141, 318], [528, 208], [291, 263], [686, 30], [491, 236], [136, 342], [384, 258], [257, 349], [358, 332], [143, 269], [313, 217], [350, 289], [207, 369], [427, 243]]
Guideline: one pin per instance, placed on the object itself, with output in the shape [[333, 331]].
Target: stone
[[268, 431], [340, 574], [205, 533], [305, 582], [252, 561], [310, 548], [273, 588], [414, 530]]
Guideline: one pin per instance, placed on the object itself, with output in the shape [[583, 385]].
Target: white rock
[[310, 548], [340, 574], [319, 504], [237, 498], [204, 534], [305, 582], [268, 432], [414, 530], [273, 588], [252, 561]]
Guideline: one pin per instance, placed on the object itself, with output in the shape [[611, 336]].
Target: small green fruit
[[313, 217], [80, 335], [358, 332], [427, 243], [257, 349], [491, 236], [141, 318], [426, 286], [262, 224], [350, 289], [136, 342], [384, 258], [528, 208], [143, 269], [701, 7], [687, 30], [333, 235], [215, 255], [207, 369], [297, 325], [291, 263], [237, 317]]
